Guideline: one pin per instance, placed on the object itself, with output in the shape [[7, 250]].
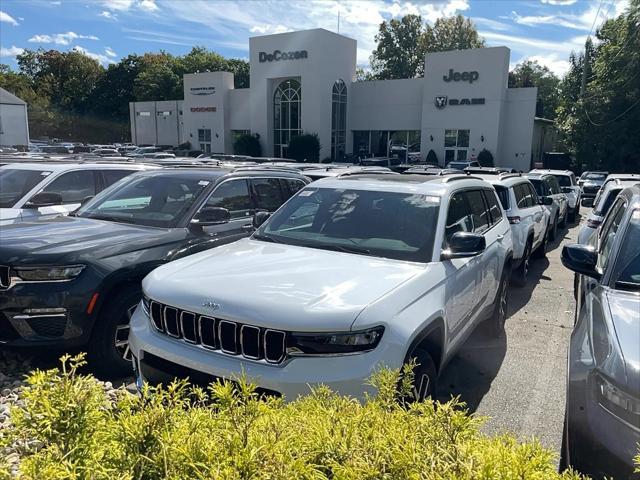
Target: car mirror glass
[[44, 199]]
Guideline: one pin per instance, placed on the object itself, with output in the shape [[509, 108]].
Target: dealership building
[[305, 82], [14, 125]]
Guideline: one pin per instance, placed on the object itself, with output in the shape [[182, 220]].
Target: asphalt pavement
[[518, 381]]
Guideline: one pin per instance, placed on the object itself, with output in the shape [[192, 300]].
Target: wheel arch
[[431, 338]]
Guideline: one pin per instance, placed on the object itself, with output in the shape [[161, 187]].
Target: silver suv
[[350, 274], [547, 186], [569, 186], [528, 217]]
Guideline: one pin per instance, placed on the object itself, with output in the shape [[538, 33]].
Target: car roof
[[505, 179], [537, 175], [632, 194], [552, 172], [623, 176], [406, 183], [60, 167], [199, 172]]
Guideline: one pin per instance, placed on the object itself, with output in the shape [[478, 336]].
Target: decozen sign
[[202, 90], [461, 76], [277, 55]]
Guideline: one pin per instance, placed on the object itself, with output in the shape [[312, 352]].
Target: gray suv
[[602, 428], [547, 186]]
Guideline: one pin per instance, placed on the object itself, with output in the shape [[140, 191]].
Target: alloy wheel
[[122, 335], [502, 312]]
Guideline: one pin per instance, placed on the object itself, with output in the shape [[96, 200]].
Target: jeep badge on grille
[[211, 305]]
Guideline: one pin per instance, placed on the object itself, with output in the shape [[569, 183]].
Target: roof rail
[[509, 175], [365, 172], [455, 176]]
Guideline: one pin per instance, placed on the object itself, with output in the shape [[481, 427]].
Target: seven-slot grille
[[218, 334], [5, 277]]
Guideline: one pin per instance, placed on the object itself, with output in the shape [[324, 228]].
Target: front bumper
[[161, 358], [45, 314]]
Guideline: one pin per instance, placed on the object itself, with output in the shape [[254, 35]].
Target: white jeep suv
[[349, 275], [528, 217], [569, 186]]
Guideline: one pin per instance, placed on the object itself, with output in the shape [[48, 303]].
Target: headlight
[[617, 401], [44, 274], [299, 344]]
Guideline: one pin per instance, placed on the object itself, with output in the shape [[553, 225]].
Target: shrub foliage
[[247, 144], [304, 148], [485, 158], [76, 431]]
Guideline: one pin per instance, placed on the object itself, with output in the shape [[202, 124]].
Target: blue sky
[[107, 30]]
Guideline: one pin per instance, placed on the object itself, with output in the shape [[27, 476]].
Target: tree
[[402, 44], [452, 33], [485, 158], [532, 74], [363, 75], [247, 145], [304, 148]]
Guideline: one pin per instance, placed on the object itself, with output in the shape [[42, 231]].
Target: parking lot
[[518, 382]]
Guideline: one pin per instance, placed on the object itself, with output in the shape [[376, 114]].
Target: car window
[[503, 195], [458, 217], [268, 193], [611, 196], [112, 176], [627, 271], [521, 195], [533, 196], [16, 183], [608, 233], [553, 186], [494, 209], [291, 186], [74, 187], [563, 180], [538, 185], [479, 213], [234, 196]]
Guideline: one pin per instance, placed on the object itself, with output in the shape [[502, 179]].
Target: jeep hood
[[279, 286], [65, 239]]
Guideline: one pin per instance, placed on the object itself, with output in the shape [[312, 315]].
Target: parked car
[[343, 171], [140, 151], [350, 274], [603, 201], [591, 183], [74, 281], [431, 170], [490, 170], [602, 425], [461, 165], [528, 217], [632, 177], [106, 152], [32, 190], [546, 185], [569, 186]]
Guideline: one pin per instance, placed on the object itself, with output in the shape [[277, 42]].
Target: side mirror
[[86, 200], [567, 189], [581, 259], [548, 201], [44, 199], [259, 218], [211, 216], [587, 202], [463, 245]]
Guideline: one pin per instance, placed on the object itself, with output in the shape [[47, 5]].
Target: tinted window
[[234, 196], [459, 216], [538, 186], [607, 236], [628, 263], [606, 205], [386, 224], [479, 213], [73, 186], [521, 195], [494, 208], [503, 195], [532, 201], [16, 183], [291, 187], [112, 176], [268, 193], [564, 180]]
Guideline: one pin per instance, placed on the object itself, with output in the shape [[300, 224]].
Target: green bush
[[247, 144], [432, 158], [485, 158], [229, 432], [304, 148]]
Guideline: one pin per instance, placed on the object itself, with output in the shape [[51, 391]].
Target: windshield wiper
[[110, 218], [344, 248], [265, 238]]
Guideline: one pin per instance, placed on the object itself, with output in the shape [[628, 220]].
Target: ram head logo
[[441, 102]]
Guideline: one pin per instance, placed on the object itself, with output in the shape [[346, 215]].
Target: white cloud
[[553, 62], [103, 59], [60, 38], [58, 2], [148, 5], [6, 18], [559, 2], [595, 14], [118, 5], [109, 15], [492, 24], [12, 51], [110, 53]]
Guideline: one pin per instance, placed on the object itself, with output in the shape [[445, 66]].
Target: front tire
[[109, 352], [499, 316], [425, 377], [521, 274], [553, 233]]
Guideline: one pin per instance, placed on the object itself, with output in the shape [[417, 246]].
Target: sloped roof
[[9, 98]]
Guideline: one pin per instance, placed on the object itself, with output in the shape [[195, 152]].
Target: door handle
[[247, 228], [500, 238]]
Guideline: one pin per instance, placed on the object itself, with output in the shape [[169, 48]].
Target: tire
[[425, 380], [499, 315], [521, 273], [109, 353], [572, 216], [541, 251], [553, 233]]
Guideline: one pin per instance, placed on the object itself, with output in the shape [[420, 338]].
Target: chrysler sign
[[202, 90], [443, 101], [277, 55]]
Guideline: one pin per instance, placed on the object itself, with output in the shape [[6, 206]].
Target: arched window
[[338, 119], [286, 115]]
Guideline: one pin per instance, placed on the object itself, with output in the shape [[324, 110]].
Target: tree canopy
[[532, 74], [402, 44]]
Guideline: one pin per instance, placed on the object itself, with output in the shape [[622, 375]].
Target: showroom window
[[386, 143], [204, 139], [456, 145], [286, 115], [338, 120]]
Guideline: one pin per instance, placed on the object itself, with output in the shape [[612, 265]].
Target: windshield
[[16, 183], [537, 184], [154, 201], [564, 180], [596, 176], [628, 264], [399, 226]]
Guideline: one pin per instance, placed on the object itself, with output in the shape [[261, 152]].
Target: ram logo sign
[[441, 102]]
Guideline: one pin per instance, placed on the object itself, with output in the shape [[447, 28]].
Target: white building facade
[[14, 126], [304, 82]]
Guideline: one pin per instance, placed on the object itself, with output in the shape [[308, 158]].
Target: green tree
[[532, 74], [452, 33]]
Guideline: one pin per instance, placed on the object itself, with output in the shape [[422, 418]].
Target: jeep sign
[[464, 76], [277, 55]]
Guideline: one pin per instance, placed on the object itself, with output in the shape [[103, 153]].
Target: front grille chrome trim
[[213, 333], [242, 342], [267, 333], [166, 327], [184, 330], [222, 323], [155, 310]]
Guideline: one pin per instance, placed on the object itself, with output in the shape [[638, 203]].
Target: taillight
[[514, 220], [593, 223]]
